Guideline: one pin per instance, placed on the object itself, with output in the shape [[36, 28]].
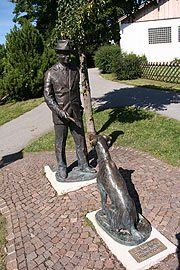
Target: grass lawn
[[2, 241], [46, 143], [130, 127], [145, 83], [12, 110]]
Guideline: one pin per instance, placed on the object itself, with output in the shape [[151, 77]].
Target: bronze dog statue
[[121, 214]]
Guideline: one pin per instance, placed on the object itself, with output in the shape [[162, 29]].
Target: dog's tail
[[136, 235]]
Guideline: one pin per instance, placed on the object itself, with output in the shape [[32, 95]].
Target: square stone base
[[123, 253], [64, 187]]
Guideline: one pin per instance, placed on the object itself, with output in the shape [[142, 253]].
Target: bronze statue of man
[[62, 95]]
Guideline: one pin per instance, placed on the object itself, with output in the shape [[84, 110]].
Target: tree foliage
[[2, 59], [85, 22], [92, 22], [104, 56], [41, 12], [89, 23], [130, 7], [26, 61]]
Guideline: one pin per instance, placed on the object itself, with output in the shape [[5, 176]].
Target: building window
[[179, 33], [159, 35]]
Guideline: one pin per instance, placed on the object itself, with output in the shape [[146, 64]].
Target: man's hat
[[63, 45]]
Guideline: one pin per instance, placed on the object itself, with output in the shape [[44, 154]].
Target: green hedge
[[104, 56], [127, 67], [110, 59]]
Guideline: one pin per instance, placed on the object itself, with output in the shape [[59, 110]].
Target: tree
[[42, 12], [87, 22], [2, 59], [3, 95], [26, 61]]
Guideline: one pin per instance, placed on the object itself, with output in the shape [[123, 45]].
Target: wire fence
[[166, 72]]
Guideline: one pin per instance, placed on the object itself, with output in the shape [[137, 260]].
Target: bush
[[26, 61], [128, 67], [104, 56], [110, 59]]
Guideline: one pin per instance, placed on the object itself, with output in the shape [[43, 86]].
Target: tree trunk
[[85, 90]]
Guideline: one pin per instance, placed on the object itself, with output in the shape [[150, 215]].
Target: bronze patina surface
[[119, 218], [75, 175], [123, 237], [62, 95]]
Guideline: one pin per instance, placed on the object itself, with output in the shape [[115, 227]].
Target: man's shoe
[[62, 172], [88, 169]]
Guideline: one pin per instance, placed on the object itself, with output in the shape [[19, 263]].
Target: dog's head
[[94, 139], [100, 143]]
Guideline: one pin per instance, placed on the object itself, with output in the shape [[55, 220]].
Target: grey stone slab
[[123, 253]]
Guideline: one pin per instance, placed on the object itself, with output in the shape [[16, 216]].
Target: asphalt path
[[19, 132], [16, 134], [107, 94]]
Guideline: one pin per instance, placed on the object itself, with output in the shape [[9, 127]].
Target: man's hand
[[63, 114]]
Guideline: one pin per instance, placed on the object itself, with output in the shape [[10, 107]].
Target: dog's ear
[[93, 139], [108, 139]]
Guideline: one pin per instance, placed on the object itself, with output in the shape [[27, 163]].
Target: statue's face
[[64, 58]]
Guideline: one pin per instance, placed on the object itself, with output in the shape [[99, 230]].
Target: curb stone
[[11, 258]]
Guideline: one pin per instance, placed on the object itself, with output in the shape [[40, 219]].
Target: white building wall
[[134, 38]]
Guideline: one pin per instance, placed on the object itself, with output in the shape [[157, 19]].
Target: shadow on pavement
[[138, 97], [10, 158]]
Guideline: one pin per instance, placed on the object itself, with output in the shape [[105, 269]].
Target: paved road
[[16, 134], [110, 94]]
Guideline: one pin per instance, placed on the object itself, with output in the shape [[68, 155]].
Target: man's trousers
[[77, 131]]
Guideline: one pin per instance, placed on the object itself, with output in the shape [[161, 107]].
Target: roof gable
[[165, 9]]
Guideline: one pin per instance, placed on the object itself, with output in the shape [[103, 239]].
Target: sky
[[6, 17]]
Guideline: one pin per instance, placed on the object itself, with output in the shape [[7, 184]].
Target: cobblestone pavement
[[46, 231]]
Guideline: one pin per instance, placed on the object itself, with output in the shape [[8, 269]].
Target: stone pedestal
[[140, 257], [64, 187]]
